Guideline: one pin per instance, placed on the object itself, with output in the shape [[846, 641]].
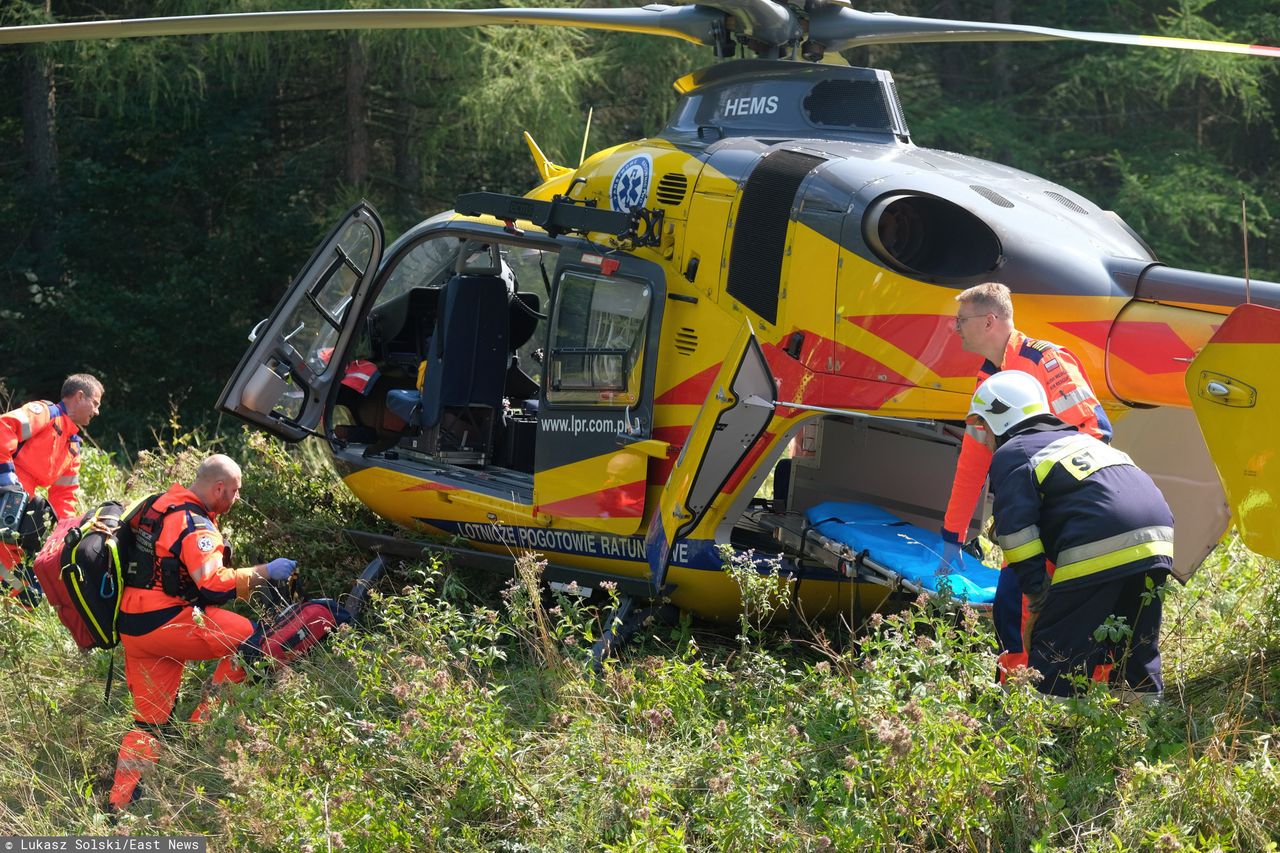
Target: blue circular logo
[[631, 183]]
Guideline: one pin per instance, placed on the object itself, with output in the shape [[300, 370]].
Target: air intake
[[858, 104], [671, 189], [1066, 202], [991, 195], [686, 341], [930, 238]]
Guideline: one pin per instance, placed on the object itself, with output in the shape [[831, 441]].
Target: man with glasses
[[984, 322]]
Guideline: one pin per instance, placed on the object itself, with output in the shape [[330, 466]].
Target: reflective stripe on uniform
[[1080, 456], [1114, 551], [1021, 544], [24, 422], [69, 480], [1066, 401], [1049, 455], [136, 765], [207, 568]]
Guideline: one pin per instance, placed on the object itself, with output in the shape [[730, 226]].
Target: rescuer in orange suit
[[40, 447], [984, 322], [169, 612]]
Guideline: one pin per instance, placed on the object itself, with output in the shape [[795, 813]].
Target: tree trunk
[[1001, 13], [408, 174], [40, 152], [955, 59], [357, 165]]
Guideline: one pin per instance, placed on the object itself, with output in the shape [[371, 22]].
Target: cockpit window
[[428, 264], [597, 340]]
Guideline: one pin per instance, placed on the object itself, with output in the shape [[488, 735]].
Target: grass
[[465, 715]]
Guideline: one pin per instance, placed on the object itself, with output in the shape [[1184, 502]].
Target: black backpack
[[81, 568]]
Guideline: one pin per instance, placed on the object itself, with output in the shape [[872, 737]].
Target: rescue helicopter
[[607, 369]]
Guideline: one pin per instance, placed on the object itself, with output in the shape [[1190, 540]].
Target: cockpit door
[[734, 416], [282, 382], [595, 423]]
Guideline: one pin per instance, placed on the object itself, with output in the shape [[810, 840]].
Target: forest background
[[157, 195]]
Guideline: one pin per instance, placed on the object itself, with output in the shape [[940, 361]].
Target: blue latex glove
[[951, 560], [280, 568]]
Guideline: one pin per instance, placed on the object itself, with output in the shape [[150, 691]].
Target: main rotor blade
[[839, 28], [691, 23]]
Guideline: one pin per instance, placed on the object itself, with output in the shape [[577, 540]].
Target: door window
[[597, 341], [312, 328]]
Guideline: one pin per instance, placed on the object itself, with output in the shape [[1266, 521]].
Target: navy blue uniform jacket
[[1064, 496]]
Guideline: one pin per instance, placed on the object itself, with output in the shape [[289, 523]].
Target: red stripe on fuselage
[[623, 501], [930, 339]]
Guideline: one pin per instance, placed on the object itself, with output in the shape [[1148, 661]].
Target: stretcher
[[868, 543]]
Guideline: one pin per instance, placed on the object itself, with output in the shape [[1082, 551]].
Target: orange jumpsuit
[[1071, 399], [40, 446], [161, 632]]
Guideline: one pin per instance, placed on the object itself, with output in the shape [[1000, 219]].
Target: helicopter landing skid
[[503, 564], [625, 621]]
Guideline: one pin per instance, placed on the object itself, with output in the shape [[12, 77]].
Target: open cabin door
[[734, 416], [282, 382], [1235, 391], [596, 415]]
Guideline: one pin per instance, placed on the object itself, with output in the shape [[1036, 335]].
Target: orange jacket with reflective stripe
[[1071, 399], [201, 554], [41, 445]]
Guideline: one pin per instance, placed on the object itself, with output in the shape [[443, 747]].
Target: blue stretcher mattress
[[910, 551]]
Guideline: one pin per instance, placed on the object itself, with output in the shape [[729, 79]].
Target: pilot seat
[[454, 415]]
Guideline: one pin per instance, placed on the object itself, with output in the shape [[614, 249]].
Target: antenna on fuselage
[[1244, 234], [586, 134]]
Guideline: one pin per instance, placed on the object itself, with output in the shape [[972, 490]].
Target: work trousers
[[1064, 648]]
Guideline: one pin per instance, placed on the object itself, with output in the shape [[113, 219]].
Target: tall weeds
[[462, 720]]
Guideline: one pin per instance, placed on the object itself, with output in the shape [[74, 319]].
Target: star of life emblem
[[205, 543], [630, 186]]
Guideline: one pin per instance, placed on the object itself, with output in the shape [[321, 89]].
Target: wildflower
[[822, 667], [572, 588], [913, 712], [571, 640], [851, 762], [848, 784], [608, 586], [924, 643], [720, 784], [793, 731], [893, 733], [721, 729], [1023, 675], [440, 680], [876, 620]]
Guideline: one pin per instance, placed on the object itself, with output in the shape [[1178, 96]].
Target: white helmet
[[1007, 399]]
